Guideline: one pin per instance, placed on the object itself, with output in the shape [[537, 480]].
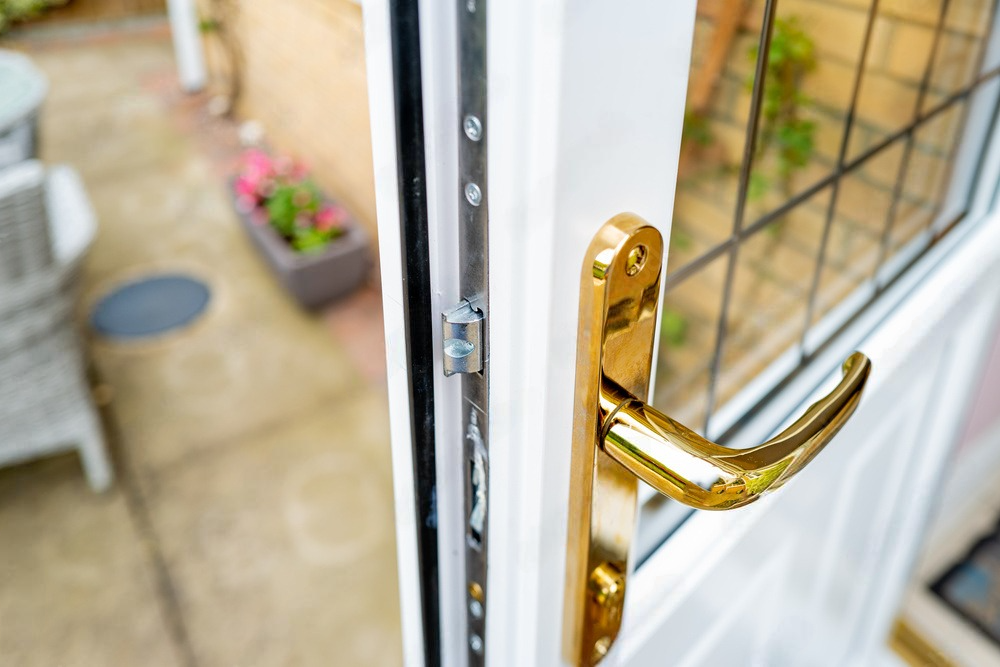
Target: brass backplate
[[619, 292]]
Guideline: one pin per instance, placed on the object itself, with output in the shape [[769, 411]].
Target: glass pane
[[812, 64], [774, 274], [689, 325], [901, 60], [822, 211], [718, 105], [816, 50], [702, 220], [927, 175], [961, 49], [863, 203], [898, 60]]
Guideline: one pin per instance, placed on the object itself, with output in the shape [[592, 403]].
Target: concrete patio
[[251, 522]]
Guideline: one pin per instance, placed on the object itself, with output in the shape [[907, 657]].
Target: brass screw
[[601, 648], [607, 586], [636, 260]]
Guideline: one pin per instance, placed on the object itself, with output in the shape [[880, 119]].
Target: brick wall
[[304, 79]]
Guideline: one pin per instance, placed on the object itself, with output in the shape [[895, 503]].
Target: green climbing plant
[[673, 327], [786, 140], [12, 11], [697, 128]]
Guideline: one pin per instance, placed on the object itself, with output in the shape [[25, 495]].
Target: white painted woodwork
[[586, 102], [378, 55], [586, 106]]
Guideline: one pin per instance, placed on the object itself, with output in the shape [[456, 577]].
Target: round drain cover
[[150, 306]]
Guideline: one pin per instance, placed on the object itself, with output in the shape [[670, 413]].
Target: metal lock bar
[[462, 327]]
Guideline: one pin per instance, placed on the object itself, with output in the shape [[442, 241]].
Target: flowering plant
[[281, 188]]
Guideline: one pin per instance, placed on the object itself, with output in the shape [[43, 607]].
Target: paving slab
[[282, 546], [76, 585]]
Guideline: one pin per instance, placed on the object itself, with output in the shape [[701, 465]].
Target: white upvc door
[[586, 102]]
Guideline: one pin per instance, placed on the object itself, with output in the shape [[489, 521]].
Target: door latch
[[462, 327], [618, 439]]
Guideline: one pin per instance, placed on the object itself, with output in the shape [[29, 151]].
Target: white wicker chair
[[22, 90], [46, 225]]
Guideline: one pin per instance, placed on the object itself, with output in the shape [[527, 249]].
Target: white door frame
[[437, 51]]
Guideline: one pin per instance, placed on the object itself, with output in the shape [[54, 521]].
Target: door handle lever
[[618, 439], [672, 458]]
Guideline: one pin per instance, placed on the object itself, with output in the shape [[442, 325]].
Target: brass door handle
[[671, 457], [618, 439]]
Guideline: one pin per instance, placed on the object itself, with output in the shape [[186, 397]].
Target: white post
[[187, 44]]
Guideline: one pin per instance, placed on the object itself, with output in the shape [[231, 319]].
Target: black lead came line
[[418, 321]]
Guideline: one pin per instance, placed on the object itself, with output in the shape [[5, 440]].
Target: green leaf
[[310, 240], [281, 210], [697, 129], [673, 328], [680, 239], [785, 141], [757, 186]]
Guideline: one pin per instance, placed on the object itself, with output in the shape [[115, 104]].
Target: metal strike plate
[[619, 291], [463, 339]]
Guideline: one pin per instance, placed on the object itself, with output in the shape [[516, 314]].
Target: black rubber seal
[[418, 321]]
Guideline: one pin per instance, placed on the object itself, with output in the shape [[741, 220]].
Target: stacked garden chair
[[46, 226], [22, 90]]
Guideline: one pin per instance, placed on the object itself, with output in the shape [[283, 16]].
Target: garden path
[[252, 521]]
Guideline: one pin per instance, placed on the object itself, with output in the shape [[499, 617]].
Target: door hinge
[[462, 326]]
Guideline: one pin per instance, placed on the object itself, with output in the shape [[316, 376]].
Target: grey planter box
[[314, 279]]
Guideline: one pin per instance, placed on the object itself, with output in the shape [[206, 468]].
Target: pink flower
[[257, 160], [330, 216], [257, 167], [246, 188]]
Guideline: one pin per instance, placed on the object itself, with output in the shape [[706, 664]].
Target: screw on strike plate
[[473, 128], [601, 648], [473, 194]]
